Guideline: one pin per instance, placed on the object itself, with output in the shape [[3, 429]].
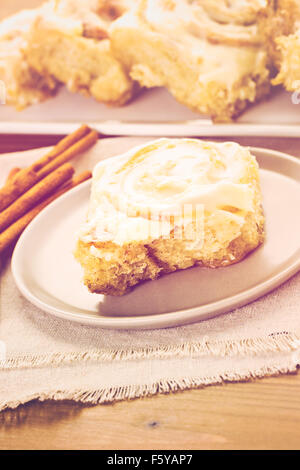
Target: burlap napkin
[[47, 358]]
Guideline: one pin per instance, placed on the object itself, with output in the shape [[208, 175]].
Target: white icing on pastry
[[133, 193]]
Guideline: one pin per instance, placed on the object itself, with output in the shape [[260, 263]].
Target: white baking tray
[[154, 112]]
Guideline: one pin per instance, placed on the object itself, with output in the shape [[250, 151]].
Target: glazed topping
[[164, 179]]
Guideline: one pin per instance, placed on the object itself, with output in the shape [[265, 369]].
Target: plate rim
[[163, 320]]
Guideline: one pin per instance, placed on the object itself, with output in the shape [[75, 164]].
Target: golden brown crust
[[135, 263], [84, 64], [69, 43], [129, 265]]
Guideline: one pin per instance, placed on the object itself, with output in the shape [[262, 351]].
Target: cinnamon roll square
[[69, 42], [209, 54], [280, 25], [168, 205]]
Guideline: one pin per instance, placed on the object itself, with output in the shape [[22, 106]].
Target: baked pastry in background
[[215, 56], [69, 41], [168, 205], [281, 26], [209, 54], [289, 72], [23, 84], [277, 19]]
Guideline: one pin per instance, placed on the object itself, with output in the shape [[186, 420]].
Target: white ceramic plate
[[153, 113], [48, 276]]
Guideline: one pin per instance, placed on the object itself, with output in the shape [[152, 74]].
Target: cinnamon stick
[[61, 147], [12, 174], [35, 194], [11, 234], [79, 147], [69, 147]]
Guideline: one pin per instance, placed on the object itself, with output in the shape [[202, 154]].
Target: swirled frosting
[[219, 21], [220, 38], [134, 192]]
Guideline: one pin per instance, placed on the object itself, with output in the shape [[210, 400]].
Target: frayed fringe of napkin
[[277, 342], [130, 392]]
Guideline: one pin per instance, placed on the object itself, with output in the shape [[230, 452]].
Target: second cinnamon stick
[[12, 233], [29, 199], [68, 148]]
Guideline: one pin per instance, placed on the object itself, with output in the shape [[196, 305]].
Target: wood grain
[[264, 414]]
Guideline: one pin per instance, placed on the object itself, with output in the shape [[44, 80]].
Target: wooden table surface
[[262, 414]]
